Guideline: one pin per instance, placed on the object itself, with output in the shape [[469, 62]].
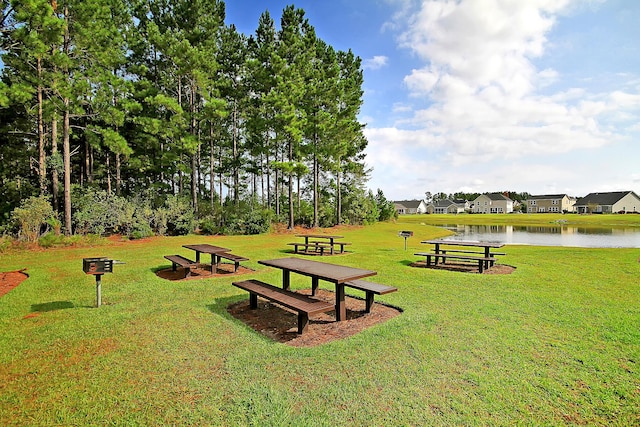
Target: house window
[[555, 202], [533, 202]]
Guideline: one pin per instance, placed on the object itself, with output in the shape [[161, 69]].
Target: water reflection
[[554, 235]]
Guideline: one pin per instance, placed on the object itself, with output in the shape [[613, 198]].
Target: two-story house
[[492, 203], [550, 203]]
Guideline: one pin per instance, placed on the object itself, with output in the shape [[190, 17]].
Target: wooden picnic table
[[336, 274], [206, 248], [318, 245], [485, 246]]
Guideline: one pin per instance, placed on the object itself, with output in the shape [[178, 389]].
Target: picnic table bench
[[302, 304], [183, 262], [315, 244], [371, 289], [311, 248], [237, 259], [481, 260]]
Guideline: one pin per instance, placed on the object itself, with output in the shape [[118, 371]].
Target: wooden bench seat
[[310, 248], [482, 261], [237, 259], [371, 289], [460, 251], [299, 303], [183, 262]]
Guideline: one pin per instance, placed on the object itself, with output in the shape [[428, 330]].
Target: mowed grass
[[555, 343]]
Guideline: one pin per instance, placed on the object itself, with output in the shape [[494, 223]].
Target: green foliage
[[360, 208], [385, 207], [33, 215], [177, 214], [246, 217]]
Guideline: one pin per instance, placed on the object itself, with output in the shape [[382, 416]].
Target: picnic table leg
[[369, 302], [314, 285], [214, 262], [197, 257], [341, 309], [253, 300], [303, 321], [286, 279]]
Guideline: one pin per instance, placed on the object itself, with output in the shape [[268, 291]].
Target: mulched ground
[[11, 279]]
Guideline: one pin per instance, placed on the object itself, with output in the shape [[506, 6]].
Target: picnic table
[[450, 250], [339, 275], [205, 248], [317, 243]]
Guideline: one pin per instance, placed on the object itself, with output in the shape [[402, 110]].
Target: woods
[[158, 103]]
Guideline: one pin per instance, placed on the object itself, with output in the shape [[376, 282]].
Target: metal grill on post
[[405, 234], [97, 267]]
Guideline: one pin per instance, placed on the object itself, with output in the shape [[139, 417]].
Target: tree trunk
[[66, 157], [55, 189], [42, 159], [212, 169], [338, 199]]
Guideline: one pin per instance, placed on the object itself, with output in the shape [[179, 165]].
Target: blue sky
[[541, 96]]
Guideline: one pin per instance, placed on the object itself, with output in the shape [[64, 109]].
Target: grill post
[[98, 290], [97, 267], [405, 234]]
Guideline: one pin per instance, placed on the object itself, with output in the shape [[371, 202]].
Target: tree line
[[118, 98]]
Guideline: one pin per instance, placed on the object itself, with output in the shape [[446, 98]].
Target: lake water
[[548, 235]]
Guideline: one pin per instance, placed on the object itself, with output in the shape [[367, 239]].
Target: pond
[[560, 235]]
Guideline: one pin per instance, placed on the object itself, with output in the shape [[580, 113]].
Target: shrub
[[179, 216], [32, 216]]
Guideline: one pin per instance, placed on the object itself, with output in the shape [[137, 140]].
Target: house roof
[[445, 203], [409, 204], [496, 196], [604, 199], [547, 196]]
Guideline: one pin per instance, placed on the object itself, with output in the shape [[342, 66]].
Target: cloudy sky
[[541, 96]]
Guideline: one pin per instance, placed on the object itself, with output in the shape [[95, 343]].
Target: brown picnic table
[[339, 275], [205, 248], [444, 249], [317, 243]]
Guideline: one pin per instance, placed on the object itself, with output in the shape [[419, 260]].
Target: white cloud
[[375, 63], [484, 100]]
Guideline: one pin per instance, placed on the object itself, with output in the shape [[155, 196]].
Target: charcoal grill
[[405, 234], [97, 267]]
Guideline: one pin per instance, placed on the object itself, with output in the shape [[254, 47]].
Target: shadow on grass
[[51, 306]]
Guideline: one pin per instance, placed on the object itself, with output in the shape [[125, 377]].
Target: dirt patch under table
[[281, 325], [10, 279]]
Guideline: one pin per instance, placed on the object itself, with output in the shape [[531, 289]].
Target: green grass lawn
[[555, 343]]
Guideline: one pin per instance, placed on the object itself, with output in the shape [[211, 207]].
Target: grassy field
[[555, 343]]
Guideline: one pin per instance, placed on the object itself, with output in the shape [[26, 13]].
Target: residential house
[[446, 206], [554, 203], [613, 202], [410, 207], [492, 203]]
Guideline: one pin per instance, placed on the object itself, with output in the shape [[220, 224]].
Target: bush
[[179, 217], [32, 217]]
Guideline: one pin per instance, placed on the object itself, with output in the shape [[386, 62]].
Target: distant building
[[447, 206], [492, 203], [410, 207], [554, 203], [614, 202]]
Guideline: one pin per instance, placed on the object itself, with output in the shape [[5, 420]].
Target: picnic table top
[[322, 270], [206, 248], [319, 236], [464, 243]]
